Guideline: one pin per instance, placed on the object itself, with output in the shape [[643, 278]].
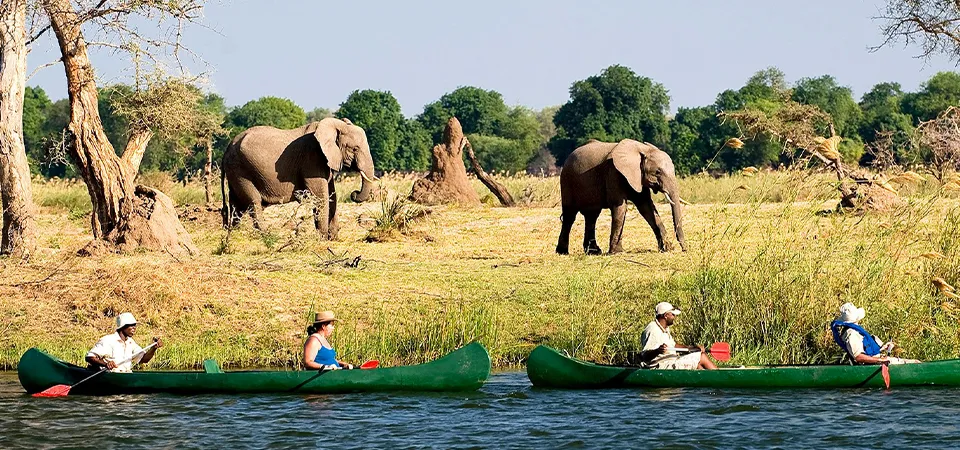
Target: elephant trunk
[[365, 166], [672, 192]]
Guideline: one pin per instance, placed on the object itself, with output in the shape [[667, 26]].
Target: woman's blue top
[[326, 356]]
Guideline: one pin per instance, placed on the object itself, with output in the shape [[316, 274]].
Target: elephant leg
[[568, 217], [618, 214], [334, 224], [248, 200], [590, 246], [236, 209], [321, 217], [648, 210]]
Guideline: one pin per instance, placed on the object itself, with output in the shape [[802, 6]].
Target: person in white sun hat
[[118, 351], [862, 346], [659, 348]]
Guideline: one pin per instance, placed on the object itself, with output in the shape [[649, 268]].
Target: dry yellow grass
[[766, 271]]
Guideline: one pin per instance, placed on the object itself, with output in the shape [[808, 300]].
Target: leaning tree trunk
[[125, 216], [19, 233], [447, 181], [498, 189]]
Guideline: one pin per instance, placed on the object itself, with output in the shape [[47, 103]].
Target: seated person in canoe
[[317, 352], [118, 351], [862, 346], [660, 351]]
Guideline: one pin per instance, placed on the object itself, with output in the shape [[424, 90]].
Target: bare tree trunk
[[207, 171], [124, 215], [498, 189], [447, 181], [19, 228]]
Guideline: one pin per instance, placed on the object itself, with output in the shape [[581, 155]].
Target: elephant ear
[[628, 156], [327, 134]]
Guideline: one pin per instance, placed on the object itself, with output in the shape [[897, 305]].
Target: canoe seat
[[211, 366]]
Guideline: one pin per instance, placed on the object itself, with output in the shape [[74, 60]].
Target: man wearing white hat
[[660, 351], [863, 347], [118, 351]]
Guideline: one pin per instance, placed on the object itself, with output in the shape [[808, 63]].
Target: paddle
[[372, 364], [719, 350], [61, 390], [885, 373]]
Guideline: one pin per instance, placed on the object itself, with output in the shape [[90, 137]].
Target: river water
[[506, 413]]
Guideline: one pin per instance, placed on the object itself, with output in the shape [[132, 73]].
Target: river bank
[[766, 274]]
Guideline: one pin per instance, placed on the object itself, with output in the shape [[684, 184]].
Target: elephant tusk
[[683, 202], [669, 200], [365, 177]]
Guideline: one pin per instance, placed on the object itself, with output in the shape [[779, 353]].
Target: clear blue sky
[[317, 52]]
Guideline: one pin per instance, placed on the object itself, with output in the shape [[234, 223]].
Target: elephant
[[267, 166], [600, 175]]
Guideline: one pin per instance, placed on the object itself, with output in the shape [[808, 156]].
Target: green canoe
[[462, 370], [548, 368]]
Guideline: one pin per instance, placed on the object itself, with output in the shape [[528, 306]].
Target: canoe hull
[[548, 368], [465, 369]]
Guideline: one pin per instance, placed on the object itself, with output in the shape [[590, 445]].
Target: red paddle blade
[[720, 351], [885, 373], [60, 390], [373, 364]]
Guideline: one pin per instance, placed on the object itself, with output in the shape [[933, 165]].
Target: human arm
[[98, 360], [310, 349], [863, 358], [648, 355], [148, 355]]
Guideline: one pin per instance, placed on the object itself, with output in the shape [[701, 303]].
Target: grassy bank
[[766, 271]]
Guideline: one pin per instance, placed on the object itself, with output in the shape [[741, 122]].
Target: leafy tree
[[694, 138], [615, 105], [36, 104], [415, 147], [317, 114], [824, 93], [378, 113], [936, 95], [882, 114], [272, 111]]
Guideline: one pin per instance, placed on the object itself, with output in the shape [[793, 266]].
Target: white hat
[[850, 313], [125, 319], [664, 307]]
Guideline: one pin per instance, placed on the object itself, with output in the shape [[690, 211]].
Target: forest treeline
[[613, 105]]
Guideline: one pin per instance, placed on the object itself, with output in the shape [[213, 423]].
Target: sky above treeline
[[316, 52]]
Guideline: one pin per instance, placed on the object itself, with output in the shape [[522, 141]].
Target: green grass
[[766, 271]]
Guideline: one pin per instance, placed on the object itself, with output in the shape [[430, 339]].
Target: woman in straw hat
[[317, 351], [862, 346]]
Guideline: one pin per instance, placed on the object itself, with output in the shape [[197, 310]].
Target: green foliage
[[833, 99], [378, 113], [882, 113], [318, 114], [415, 144], [272, 111], [936, 95], [694, 138], [497, 153], [615, 105], [36, 105]]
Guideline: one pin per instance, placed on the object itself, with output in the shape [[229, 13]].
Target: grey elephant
[[267, 166], [603, 175]]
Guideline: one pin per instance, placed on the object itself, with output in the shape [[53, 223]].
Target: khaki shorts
[[688, 361]]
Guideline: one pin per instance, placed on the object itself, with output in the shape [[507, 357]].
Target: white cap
[[664, 307], [125, 319], [850, 313]]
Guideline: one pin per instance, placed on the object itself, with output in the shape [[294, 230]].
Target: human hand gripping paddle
[[719, 350], [61, 390]]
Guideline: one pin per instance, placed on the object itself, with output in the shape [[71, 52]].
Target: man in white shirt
[[118, 351], [659, 348]]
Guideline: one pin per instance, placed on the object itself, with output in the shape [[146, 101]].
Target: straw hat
[[850, 313], [324, 316]]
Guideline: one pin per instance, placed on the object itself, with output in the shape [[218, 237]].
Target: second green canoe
[[548, 368], [462, 370]]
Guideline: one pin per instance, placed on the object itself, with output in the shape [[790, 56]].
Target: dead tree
[[932, 24], [125, 216], [940, 139], [19, 228], [447, 181], [499, 190]]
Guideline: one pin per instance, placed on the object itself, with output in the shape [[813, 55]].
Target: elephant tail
[[225, 211]]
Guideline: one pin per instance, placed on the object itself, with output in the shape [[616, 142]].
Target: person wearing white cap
[[862, 346], [659, 348], [118, 351]]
